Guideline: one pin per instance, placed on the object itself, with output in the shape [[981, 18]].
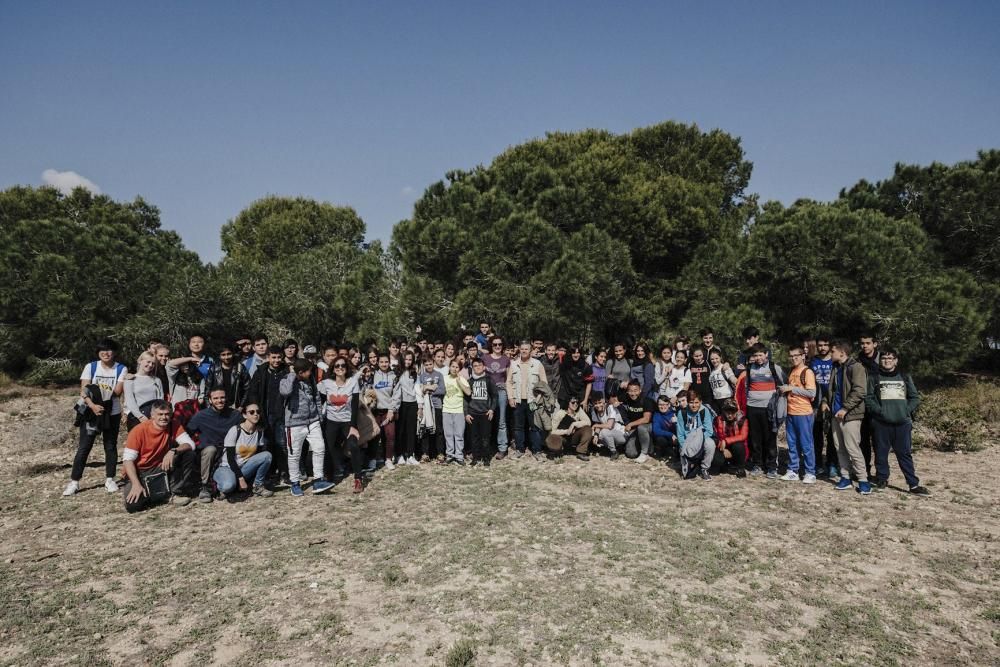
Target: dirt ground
[[522, 564]]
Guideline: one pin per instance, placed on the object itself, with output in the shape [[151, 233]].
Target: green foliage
[[274, 228], [577, 235], [461, 654], [75, 268], [42, 372], [965, 417], [958, 206], [824, 267]]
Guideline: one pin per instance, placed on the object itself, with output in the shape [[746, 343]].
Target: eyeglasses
[[340, 365], [253, 412], [796, 354], [497, 344]]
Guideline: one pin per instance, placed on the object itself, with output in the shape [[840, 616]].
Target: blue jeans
[[799, 432], [898, 438], [522, 420], [255, 468], [501, 419]]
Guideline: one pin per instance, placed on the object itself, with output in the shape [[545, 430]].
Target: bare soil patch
[[525, 563]]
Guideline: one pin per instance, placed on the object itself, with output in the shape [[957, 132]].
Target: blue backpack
[[119, 369]]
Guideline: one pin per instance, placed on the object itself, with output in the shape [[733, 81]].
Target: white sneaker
[[809, 479], [412, 461], [401, 460], [791, 476], [389, 465], [111, 485], [642, 458], [71, 488]]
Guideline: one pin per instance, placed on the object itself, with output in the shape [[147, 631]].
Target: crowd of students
[[262, 416]]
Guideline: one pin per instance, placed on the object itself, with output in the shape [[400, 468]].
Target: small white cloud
[[65, 181], [407, 190]]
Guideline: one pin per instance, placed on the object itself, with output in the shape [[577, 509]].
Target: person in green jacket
[[891, 400]]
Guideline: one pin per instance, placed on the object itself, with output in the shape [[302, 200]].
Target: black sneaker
[[614, 456], [919, 491], [706, 476], [583, 457], [881, 484], [741, 472]]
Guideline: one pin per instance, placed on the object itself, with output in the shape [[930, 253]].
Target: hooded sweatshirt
[[483, 397], [303, 401], [388, 393]]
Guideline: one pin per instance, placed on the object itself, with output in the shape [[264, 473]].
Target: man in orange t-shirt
[[154, 445], [800, 390]]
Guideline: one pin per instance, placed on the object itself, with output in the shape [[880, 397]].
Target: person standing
[[822, 366], [303, 424], [553, 368], [700, 371], [846, 401], [385, 382], [342, 405], [523, 374], [141, 390], [764, 413], [453, 413], [891, 400], [264, 390], [229, 375], [496, 364], [800, 389], [869, 358], [259, 356], [480, 408], [102, 383]]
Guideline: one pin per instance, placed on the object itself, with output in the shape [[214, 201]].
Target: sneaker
[[180, 501], [474, 463], [706, 476], [425, 459], [642, 458], [110, 485], [372, 466], [297, 490], [285, 479], [833, 472], [358, 486], [71, 488], [790, 476], [321, 486], [518, 453], [741, 472], [773, 474], [756, 471], [809, 478], [881, 484], [389, 465], [501, 456], [205, 495], [844, 484], [538, 456], [412, 461], [583, 457], [919, 491], [615, 456], [864, 488], [262, 491]]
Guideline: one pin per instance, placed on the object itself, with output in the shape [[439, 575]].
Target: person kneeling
[[572, 428], [159, 461], [245, 458], [695, 437], [731, 432]]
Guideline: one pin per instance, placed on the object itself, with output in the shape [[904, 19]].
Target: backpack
[[802, 380], [119, 369]]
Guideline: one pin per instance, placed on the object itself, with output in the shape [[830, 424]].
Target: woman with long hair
[[406, 430], [642, 370], [141, 390], [576, 376], [343, 400]]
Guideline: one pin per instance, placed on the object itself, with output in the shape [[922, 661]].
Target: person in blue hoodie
[[891, 400], [696, 436], [664, 428]]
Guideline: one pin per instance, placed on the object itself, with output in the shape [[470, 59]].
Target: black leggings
[[337, 437], [110, 435], [406, 429]]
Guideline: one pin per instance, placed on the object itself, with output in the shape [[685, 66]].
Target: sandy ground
[[525, 563]]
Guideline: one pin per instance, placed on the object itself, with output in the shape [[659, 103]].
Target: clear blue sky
[[203, 107]]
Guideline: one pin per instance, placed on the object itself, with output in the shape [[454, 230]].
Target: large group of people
[[258, 416]]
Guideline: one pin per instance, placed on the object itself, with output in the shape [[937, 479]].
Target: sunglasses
[[340, 365], [253, 412], [497, 344]]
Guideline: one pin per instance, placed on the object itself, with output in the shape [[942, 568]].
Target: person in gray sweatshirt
[[141, 390], [385, 382], [480, 408], [406, 431], [303, 410]]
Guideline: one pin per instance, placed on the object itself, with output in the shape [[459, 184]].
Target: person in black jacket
[[264, 391], [229, 375]]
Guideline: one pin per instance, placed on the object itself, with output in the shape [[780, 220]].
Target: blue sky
[[202, 108]]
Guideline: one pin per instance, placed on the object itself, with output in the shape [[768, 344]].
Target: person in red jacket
[[731, 434]]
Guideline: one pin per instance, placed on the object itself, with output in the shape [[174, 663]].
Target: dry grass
[[526, 563]]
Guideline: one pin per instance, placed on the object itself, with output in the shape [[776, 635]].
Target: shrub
[[965, 417]]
